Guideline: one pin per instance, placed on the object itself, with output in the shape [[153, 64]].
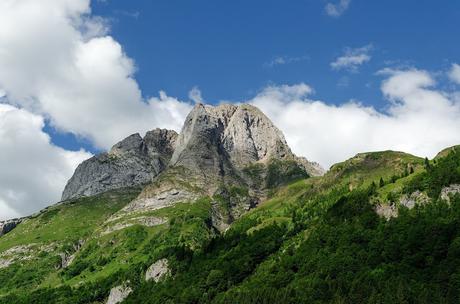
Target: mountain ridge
[[215, 145], [236, 217]]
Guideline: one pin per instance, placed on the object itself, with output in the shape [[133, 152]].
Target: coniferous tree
[[427, 163]]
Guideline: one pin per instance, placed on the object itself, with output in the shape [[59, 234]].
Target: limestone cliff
[[218, 148], [133, 161]]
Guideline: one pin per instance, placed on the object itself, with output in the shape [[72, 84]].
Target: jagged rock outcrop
[[215, 146], [389, 210], [119, 293], [157, 271], [219, 147], [413, 199], [68, 256], [133, 161], [217, 140], [8, 225], [148, 221], [449, 191]]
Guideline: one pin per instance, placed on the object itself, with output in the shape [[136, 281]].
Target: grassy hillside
[[315, 240]]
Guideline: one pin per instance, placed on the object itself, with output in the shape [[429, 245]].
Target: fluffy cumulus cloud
[[419, 119], [454, 73], [337, 9], [57, 60], [58, 63], [352, 58], [33, 170]]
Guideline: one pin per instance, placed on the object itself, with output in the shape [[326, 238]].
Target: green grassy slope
[[315, 240], [36, 243]]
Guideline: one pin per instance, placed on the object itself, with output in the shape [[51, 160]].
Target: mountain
[[224, 212], [133, 161], [214, 151]]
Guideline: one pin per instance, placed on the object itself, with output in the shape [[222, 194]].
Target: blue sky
[[223, 47], [338, 77], [230, 50]]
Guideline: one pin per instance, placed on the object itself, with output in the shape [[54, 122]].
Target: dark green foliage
[[381, 183], [282, 172], [225, 262], [355, 257], [445, 172], [321, 244], [427, 163]]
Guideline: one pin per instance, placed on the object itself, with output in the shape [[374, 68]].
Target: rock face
[[447, 192], [8, 225], [217, 140], [215, 151], [413, 199], [219, 147], [390, 210], [387, 210], [118, 294], [157, 270], [215, 147], [133, 161], [68, 257]]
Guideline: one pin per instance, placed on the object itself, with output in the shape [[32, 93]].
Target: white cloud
[[57, 60], [454, 73], [33, 170], [336, 10], [352, 58], [281, 60], [419, 119], [195, 95]]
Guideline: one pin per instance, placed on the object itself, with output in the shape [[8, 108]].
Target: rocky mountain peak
[[251, 137], [220, 147], [133, 161], [238, 134], [215, 145], [130, 145]]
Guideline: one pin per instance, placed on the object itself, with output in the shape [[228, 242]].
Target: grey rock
[[161, 199], [15, 254], [449, 191], [133, 161], [119, 293], [215, 141], [413, 199], [148, 221], [157, 271], [68, 256], [215, 146], [8, 225], [387, 211], [214, 150]]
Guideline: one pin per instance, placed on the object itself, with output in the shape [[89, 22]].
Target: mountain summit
[[132, 161], [215, 145]]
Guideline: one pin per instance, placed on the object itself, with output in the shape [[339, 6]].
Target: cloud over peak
[[419, 119]]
